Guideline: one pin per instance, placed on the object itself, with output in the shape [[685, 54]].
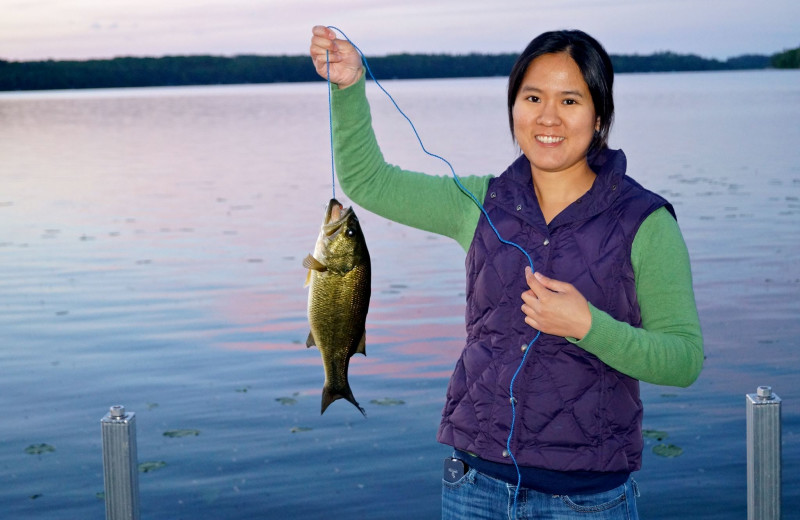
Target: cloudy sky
[[82, 29]]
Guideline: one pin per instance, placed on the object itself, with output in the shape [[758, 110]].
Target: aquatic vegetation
[[654, 434], [299, 429], [287, 401], [146, 467], [667, 450], [181, 433], [38, 449], [388, 401], [244, 389]]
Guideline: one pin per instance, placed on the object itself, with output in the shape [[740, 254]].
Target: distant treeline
[[217, 70], [787, 59]]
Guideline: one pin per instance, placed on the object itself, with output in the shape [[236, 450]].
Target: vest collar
[[609, 165]]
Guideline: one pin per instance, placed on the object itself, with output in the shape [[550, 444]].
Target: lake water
[[150, 255]]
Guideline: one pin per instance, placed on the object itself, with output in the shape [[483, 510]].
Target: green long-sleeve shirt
[[666, 350]]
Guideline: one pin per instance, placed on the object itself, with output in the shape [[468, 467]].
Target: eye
[[533, 99], [570, 102], [350, 232]]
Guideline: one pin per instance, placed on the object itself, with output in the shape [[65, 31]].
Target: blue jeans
[[477, 496]]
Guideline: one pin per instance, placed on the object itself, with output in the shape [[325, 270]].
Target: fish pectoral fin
[[362, 345], [310, 341], [309, 262]]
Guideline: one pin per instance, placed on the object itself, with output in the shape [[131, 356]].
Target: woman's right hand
[[345, 61]]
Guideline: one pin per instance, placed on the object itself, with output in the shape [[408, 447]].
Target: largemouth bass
[[338, 298]]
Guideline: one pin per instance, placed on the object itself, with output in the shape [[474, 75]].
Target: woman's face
[[554, 116]]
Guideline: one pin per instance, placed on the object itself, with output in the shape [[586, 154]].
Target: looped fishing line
[[477, 203]]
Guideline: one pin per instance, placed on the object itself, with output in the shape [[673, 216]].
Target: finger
[[535, 286], [321, 45], [321, 30], [550, 284], [529, 312], [532, 322], [529, 298]]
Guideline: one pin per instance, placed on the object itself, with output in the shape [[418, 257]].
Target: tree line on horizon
[[247, 69]]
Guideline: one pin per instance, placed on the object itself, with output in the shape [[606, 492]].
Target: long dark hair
[[595, 66]]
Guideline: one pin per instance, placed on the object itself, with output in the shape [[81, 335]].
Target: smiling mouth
[[549, 139]]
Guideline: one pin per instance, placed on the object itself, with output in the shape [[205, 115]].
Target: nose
[[548, 115]]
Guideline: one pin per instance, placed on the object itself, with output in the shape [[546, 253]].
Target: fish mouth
[[336, 215]]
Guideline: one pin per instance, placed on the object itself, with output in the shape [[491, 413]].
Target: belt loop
[[635, 487]]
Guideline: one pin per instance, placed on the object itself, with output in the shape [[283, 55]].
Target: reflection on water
[[151, 244]]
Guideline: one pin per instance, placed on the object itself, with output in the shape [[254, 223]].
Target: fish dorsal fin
[[362, 345], [310, 341], [309, 262]]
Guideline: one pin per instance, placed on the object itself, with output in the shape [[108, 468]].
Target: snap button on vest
[[493, 195], [546, 242], [519, 207]]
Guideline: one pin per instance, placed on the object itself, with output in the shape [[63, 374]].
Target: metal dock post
[[120, 465], [763, 455]]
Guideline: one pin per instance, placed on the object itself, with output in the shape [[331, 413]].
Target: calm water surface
[[150, 246]]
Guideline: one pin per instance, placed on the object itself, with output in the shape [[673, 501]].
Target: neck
[[557, 190]]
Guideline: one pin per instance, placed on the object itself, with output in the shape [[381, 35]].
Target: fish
[[339, 282]]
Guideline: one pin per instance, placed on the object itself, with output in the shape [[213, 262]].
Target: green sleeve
[[668, 348], [427, 202]]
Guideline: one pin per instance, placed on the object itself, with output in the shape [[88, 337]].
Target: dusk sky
[[83, 29]]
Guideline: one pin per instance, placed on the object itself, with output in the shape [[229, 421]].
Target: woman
[[612, 293]]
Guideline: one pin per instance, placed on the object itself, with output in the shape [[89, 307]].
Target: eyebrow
[[528, 88]]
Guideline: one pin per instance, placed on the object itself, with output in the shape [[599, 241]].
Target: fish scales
[[339, 281]]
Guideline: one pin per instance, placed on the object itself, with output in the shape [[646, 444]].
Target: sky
[[90, 29]]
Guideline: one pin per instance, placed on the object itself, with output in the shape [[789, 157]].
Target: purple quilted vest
[[574, 412]]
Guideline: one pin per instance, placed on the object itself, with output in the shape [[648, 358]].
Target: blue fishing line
[[488, 219], [330, 122]]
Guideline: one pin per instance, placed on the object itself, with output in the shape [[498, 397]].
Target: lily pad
[[667, 450], [387, 401], [181, 433], [299, 429], [654, 434], [38, 449], [147, 467]]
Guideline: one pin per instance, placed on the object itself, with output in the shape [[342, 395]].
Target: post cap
[[764, 392], [117, 411]]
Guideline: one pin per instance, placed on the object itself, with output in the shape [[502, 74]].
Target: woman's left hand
[[554, 307]]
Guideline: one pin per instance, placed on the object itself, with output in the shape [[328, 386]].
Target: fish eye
[[351, 232]]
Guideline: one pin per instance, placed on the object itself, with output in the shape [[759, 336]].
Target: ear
[[597, 125]]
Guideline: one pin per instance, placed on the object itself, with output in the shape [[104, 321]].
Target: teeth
[[549, 139]]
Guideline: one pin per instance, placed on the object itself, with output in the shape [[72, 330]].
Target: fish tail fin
[[329, 396]]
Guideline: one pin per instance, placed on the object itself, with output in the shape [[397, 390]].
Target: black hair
[[594, 64]]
